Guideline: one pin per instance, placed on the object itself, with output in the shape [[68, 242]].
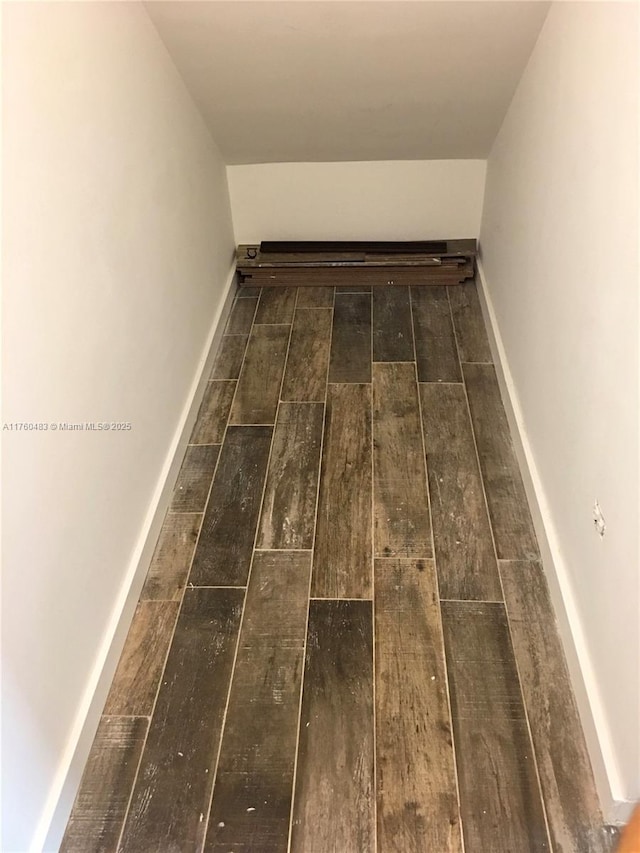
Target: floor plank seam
[[244, 604], [284, 550], [205, 444], [526, 715], [207, 813], [373, 595], [153, 708], [313, 546], [255, 539], [299, 723], [474, 442], [473, 600], [128, 716], [339, 598], [495, 552], [235, 393], [443, 655]]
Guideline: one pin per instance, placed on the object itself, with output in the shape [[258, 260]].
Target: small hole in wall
[[598, 520]]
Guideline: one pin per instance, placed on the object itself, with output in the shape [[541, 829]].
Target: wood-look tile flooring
[[345, 642]]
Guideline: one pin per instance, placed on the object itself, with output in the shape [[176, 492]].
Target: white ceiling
[[323, 81]]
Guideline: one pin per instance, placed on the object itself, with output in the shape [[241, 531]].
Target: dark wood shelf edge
[[367, 266]]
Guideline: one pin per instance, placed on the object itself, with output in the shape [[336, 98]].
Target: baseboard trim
[[55, 815], [615, 808]]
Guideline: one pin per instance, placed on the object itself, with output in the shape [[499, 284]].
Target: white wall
[[117, 246], [392, 200], [559, 243]]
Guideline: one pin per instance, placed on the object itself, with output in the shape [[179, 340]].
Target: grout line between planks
[[314, 307], [127, 716], [313, 553], [373, 601], [299, 402], [473, 600], [495, 553], [237, 381], [206, 444], [440, 382], [443, 653], [337, 598], [253, 554], [392, 361], [240, 334], [284, 550]]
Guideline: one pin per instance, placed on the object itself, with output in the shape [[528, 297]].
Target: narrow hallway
[[345, 641]]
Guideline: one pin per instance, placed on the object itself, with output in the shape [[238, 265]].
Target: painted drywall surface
[[394, 200], [117, 245], [316, 81], [560, 253]]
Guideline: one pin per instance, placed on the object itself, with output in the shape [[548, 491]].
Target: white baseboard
[[615, 808], [56, 813]]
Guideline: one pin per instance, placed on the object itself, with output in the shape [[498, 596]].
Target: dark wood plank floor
[[345, 642], [402, 527]]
